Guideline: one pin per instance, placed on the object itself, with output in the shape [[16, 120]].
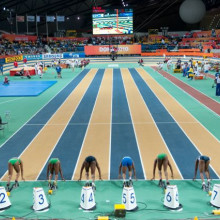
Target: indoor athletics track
[[112, 113]]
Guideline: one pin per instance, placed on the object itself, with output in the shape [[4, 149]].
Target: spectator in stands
[[162, 160], [1, 68], [15, 64]]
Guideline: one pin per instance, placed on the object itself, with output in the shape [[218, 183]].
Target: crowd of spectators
[[170, 42], [16, 48]]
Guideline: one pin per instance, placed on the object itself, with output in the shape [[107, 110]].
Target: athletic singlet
[[14, 160], [161, 156], [53, 160]]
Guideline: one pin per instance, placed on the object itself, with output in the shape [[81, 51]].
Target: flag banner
[[20, 18], [60, 18], [31, 18], [50, 18], [38, 18]]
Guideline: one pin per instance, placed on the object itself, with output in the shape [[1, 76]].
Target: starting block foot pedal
[[120, 211]]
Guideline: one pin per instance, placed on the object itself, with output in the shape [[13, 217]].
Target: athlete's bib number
[[2, 197], [132, 198], [90, 198]]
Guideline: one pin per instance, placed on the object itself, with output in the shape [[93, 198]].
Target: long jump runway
[[111, 113]]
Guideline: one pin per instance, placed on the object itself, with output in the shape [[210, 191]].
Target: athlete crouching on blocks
[[162, 160], [203, 163], [17, 165], [127, 163], [54, 166], [92, 163]]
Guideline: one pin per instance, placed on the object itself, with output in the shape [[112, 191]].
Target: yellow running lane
[[97, 140], [205, 142], [148, 136], [36, 154]]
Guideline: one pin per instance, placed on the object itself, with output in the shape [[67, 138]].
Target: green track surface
[[65, 202], [205, 116], [23, 108]]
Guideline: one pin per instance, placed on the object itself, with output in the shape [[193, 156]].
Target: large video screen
[[112, 21]]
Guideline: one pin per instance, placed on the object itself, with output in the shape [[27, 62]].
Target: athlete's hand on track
[[79, 179]]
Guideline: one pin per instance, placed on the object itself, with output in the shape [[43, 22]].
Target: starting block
[[198, 77], [215, 198], [171, 199], [177, 71], [120, 211], [40, 200], [87, 201], [129, 198], [4, 200]]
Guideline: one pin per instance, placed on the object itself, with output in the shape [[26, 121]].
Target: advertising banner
[[105, 49], [73, 55], [50, 18], [52, 56], [2, 61], [12, 59], [60, 18], [19, 18], [33, 57], [31, 18], [14, 37]]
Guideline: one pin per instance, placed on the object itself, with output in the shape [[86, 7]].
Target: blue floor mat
[[25, 88]]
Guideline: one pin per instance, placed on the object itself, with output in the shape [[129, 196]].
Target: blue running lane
[[19, 141], [181, 148], [69, 145], [123, 141], [45, 113]]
